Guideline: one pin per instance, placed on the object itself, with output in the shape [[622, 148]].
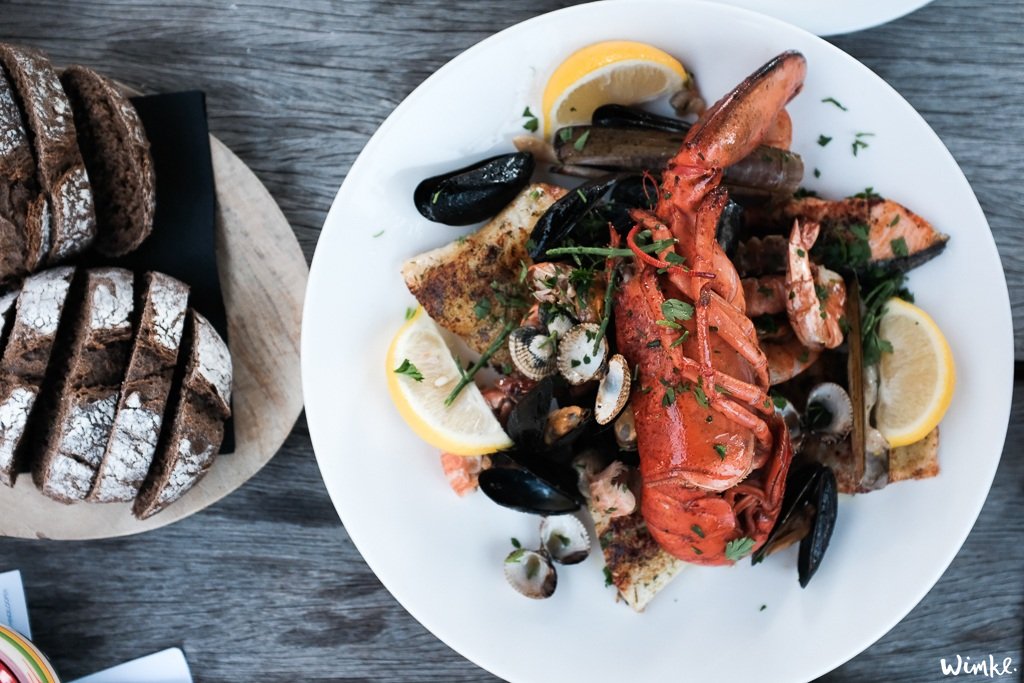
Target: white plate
[[441, 556], [832, 17]]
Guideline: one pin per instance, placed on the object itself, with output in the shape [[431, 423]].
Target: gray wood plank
[[266, 585]]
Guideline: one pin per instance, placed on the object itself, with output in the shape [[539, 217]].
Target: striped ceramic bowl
[[21, 661]]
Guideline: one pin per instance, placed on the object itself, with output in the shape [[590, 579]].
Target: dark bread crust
[[116, 152], [145, 391], [26, 359], [60, 170], [79, 406], [17, 183], [199, 408]]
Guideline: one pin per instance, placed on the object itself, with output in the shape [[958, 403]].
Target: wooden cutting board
[[263, 275]]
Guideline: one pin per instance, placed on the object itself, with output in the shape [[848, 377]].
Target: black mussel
[[476, 192], [631, 192], [566, 425], [730, 226], [815, 543], [562, 218], [524, 491], [529, 418], [621, 116], [808, 515]]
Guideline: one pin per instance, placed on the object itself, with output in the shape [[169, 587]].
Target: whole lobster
[[713, 454]]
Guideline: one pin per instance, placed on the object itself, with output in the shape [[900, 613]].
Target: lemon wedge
[[612, 72], [916, 380], [421, 374]]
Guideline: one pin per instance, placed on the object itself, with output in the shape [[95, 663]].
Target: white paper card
[[168, 666], [13, 610]]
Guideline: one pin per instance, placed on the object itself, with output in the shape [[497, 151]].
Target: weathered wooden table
[[266, 585]]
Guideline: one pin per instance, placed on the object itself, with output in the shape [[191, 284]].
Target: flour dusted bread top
[[26, 358], [199, 409], [81, 404], [59, 168], [144, 393], [116, 153]]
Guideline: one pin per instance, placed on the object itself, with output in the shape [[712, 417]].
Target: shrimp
[[816, 295], [463, 471]]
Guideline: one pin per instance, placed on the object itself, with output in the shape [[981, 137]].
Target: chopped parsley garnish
[[683, 336], [409, 370], [874, 308], [565, 134], [721, 450], [581, 141], [894, 221], [868, 193], [696, 550], [858, 143], [801, 253], [698, 393], [763, 608], [738, 549], [482, 308], [779, 401], [654, 344], [824, 140], [817, 173], [531, 121], [697, 530], [899, 247], [409, 313], [675, 309], [607, 577], [515, 556], [583, 197], [834, 101], [516, 543], [378, 234], [435, 197]]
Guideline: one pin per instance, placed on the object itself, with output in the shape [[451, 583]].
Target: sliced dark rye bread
[[60, 170], [26, 358], [17, 184], [199, 408], [116, 152], [79, 406], [147, 386]]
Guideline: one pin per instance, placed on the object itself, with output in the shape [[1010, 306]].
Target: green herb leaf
[[409, 370], [516, 543], [515, 556], [697, 530], [817, 173], [482, 308], [721, 450], [824, 140], [607, 577], [779, 401], [581, 141], [675, 309], [565, 134], [409, 313], [435, 197], [899, 247], [696, 550], [738, 549], [834, 101], [763, 608], [378, 234], [531, 125]]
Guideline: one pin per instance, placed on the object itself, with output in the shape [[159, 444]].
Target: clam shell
[[565, 539], [834, 399], [531, 573], [578, 362], [533, 352], [613, 391]]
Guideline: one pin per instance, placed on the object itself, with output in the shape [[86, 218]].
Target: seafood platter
[[669, 351]]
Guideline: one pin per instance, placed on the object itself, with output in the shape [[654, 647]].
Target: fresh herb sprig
[[874, 308], [467, 376]]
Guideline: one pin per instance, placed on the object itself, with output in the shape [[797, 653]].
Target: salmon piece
[[471, 286], [463, 472]]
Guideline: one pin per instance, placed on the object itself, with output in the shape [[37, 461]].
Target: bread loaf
[[144, 394], [60, 171], [83, 397], [26, 358], [17, 184], [199, 409], [116, 153]]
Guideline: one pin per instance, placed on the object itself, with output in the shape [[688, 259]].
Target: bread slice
[[116, 152], [200, 408], [144, 394], [60, 170], [79, 412], [26, 358], [17, 184]]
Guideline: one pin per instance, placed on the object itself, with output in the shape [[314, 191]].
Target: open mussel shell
[[808, 515], [522, 490], [815, 543], [613, 390], [581, 356], [562, 217], [621, 116], [565, 426], [474, 193], [565, 539], [528, 420], [531, 573]]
